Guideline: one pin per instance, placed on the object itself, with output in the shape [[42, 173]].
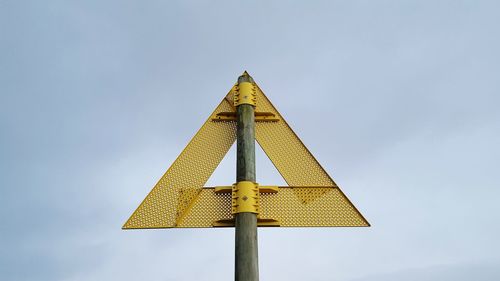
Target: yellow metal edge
[[222, 189], [269, 189]]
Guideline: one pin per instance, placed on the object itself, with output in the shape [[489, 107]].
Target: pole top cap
[[245, 77]]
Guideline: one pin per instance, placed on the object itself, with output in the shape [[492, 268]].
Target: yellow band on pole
[[245, 94], [245, 197]]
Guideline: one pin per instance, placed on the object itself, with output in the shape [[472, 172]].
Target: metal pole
[[246, 260]]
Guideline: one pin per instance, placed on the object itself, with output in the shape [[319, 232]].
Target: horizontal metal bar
[[228, 189]]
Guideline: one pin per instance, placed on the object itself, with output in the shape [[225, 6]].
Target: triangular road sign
[[179, 199]]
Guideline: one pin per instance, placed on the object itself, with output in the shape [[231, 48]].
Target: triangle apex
[[245, 77]]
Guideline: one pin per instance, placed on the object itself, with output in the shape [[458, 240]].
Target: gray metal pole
[[246, 260]]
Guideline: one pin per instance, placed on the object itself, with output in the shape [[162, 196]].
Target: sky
[[398, 100]]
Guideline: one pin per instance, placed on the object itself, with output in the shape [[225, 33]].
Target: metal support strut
[[246, 249]]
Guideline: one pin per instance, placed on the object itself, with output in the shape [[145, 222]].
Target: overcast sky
[[398, 100]]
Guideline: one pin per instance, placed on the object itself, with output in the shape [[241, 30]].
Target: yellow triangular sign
[[179, 199]]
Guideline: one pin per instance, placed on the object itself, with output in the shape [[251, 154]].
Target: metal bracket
[[262, 189], [259, 117], [251, 191], [245, 197], [245, 94], [260, 222]]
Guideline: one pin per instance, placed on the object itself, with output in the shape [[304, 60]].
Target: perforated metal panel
[[312, 199], [290, 156], [173, 194], [324, 206]]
